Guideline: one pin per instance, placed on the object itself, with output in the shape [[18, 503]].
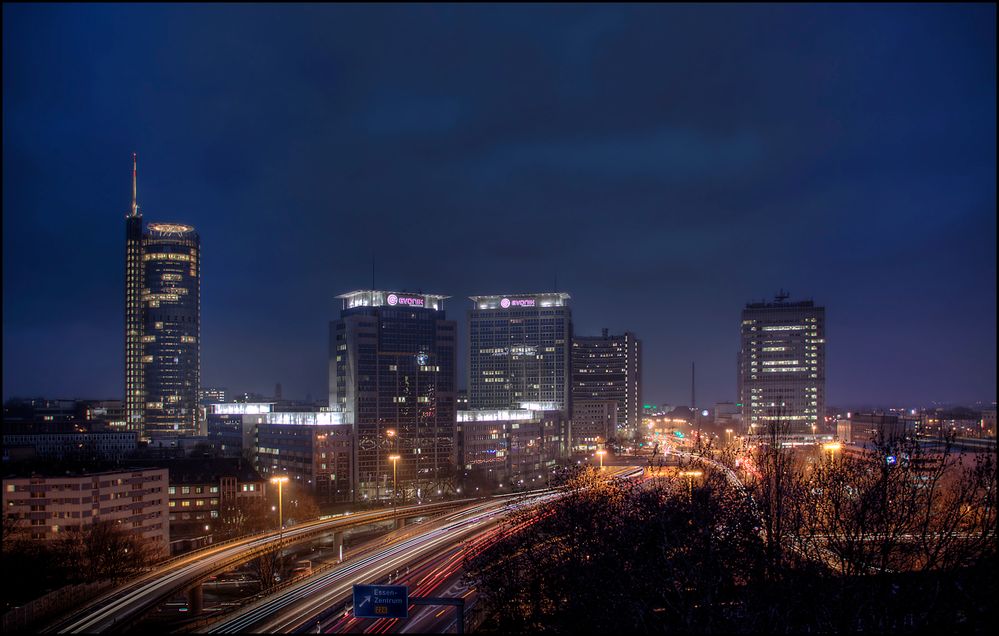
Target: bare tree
[[103, 550]]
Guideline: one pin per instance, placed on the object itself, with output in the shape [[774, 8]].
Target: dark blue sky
[[670, 163]]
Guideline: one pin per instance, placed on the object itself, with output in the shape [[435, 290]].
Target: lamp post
[[395, 462], [280, 481], [728, 436], [600, 454], [391, 433], [690, 474]]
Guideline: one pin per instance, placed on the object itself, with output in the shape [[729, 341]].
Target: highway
[[132, 600], [321, 596], [301, 604]]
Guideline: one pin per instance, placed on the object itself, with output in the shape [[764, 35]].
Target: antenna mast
[[135, 202]]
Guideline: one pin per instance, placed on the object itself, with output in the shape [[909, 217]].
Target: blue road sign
[[381, 601]]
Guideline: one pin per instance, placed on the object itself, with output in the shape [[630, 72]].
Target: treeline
[[892, 540], [102, 551]]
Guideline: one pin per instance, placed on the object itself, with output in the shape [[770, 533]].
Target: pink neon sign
[[411, 301], [506, 303]]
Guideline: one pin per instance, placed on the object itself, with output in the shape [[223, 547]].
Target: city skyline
[[647, 219]]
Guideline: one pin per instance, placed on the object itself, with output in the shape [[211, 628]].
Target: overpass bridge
[[123, 606]]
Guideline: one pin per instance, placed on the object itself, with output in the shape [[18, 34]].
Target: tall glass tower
[[519, 351], [392, 375], [134, 392], [162, 326]]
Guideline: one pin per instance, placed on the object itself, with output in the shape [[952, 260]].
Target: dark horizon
[[666, 164]]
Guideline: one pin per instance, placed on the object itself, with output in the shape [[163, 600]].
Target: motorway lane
[[137, 597], [300, 604], [440, 576]]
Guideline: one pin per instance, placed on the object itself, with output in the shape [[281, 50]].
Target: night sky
[[666, 163]]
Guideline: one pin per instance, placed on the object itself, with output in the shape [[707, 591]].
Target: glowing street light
[[601, 454], [728, 436], [395, 462], [280, 481], [832, 447], [690, 474]]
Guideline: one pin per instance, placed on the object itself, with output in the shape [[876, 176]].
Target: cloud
[[668, 153]]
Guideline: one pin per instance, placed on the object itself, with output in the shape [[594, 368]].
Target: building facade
[[593, 423], [392, 376], [102, 445], [782, 365], [162, 326], [314, 450], [609, 367], [204, 495], [51, 505], [519, 348], [521, 446]]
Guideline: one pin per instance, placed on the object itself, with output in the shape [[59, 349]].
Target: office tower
[[133, 312], [519, 347], [782, 365], [392, 375], [609, 367], [162, 325]]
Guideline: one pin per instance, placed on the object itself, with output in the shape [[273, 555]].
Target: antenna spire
[[135, 203]]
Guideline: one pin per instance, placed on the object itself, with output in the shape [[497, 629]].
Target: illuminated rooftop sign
[[520, 301], [410, 301], [376, 298]]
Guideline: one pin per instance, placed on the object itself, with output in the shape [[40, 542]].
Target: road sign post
[[381, 601]]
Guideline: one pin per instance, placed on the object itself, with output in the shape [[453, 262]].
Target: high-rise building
[[134, 393], [392, 375], [782, 365], [609, 367], [162, 326], [519, 348]]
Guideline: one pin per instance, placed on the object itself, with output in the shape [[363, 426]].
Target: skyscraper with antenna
[[162, 325], [134, 390]]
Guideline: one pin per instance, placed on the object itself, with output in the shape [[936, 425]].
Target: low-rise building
[[204, 495], [103, 445], [232, 426], [315, 450], [512, 444], [593, 423], [49, 505], [869, 427]]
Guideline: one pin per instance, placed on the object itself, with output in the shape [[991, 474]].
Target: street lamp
[[391, 433], [601, 453], [832, 447], [395, 462], [280, 481], [728, 436], [690, 474]]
